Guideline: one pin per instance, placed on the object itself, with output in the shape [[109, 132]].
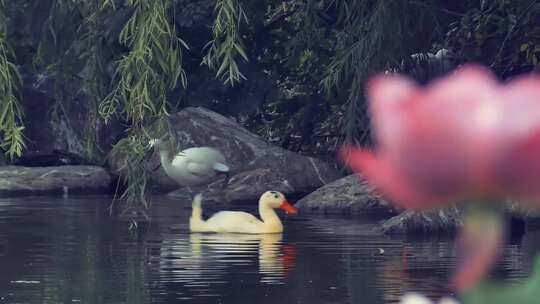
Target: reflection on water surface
[[55, 250]]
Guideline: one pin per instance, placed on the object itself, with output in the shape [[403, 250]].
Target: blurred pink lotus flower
[[464, 135]]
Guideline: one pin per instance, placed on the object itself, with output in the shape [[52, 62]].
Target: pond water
[[55, 250]]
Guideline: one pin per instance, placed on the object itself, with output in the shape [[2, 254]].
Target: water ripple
[[57, 251]]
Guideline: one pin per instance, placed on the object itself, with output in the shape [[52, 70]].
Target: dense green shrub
[[131, 60]]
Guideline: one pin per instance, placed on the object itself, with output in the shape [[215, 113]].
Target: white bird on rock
[[243, 222], [193, 166]]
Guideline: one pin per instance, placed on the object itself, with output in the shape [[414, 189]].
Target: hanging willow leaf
[[154, 51], [144, 76], [11, 113], [370, 36], [226, 43]]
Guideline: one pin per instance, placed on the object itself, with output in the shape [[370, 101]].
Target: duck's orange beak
[[288, 207]]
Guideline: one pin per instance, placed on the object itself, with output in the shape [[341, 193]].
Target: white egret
[[193, 166]]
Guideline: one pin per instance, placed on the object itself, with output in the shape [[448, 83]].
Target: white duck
[[192, 166], [243, 222]]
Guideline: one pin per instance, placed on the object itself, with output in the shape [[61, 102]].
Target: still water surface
[[55, 250]]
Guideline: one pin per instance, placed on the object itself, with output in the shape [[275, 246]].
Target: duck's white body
[[192, 166], [243, 222]]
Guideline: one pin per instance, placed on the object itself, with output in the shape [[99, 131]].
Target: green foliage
[[129, 153], [129, 158], [145, 75], [193, 13], [11, 113], [227, 43], [371, 37], [301, 43], [124, 59], [502, 34], [331, 47], [152, 67], [93, 85]]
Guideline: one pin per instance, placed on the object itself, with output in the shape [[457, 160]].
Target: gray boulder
[[249, 185], [449, 220], [351, 194], [242, 187], [49, 127], [443, 221], [15, 180], [256, 166]]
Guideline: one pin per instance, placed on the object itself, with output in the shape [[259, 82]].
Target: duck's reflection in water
[[210, 257]]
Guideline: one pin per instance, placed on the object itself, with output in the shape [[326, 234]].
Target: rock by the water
[[251, 184], [16, 180], [350, 194], [246, 186], [449, 220], [45, 159], [48, 129], [256, 166], [443, 221]]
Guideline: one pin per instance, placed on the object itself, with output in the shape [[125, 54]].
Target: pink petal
[[390, 98], [467, 80], [429, 159], [518, 166], [464, 133], [518, 171], [461, 114], [386, 178], [467, 102], [421, 139], [521, 107]]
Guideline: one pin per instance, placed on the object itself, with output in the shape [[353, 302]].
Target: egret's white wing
[[199, 169], [200, 160], [179, 160], [204, 154]]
